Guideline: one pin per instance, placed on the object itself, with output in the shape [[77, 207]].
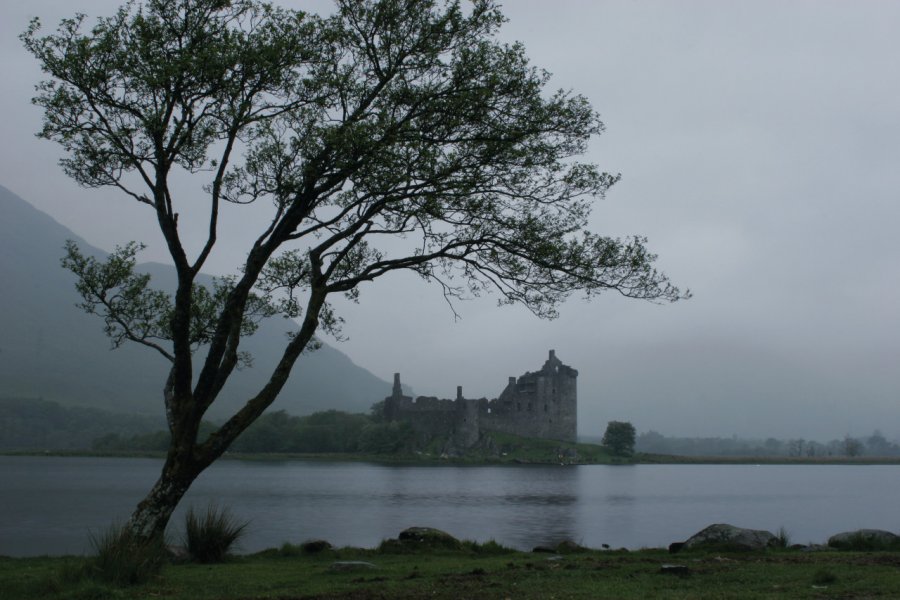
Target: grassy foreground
[[486, 571]]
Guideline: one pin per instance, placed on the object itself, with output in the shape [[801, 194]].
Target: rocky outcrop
[[428, 536], [722, 536], [865, 539]]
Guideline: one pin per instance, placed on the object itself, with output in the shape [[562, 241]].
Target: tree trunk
[[186, 459], [149, 519]]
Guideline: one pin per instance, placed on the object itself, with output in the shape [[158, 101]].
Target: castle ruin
[[542, 404]]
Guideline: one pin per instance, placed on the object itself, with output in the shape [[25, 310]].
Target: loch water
[[51, 505]]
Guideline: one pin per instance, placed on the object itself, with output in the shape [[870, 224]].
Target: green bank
[[476, 571]]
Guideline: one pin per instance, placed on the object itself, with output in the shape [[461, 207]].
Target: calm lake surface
[[48, 505]]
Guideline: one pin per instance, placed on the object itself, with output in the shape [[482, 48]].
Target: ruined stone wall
[[542, 404], [433, 417]]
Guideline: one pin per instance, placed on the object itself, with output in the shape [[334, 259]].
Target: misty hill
[[50, 349], [35, 424]]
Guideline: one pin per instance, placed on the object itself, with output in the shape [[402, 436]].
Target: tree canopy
[[391, 135], [619, 437]]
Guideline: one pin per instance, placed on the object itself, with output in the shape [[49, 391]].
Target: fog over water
[[758, 144]]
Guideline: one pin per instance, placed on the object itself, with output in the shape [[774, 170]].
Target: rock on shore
[[722, 536]]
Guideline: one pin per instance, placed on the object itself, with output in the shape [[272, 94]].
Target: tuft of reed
[[123, 558], [782, 538], [488, 548], [210, 536]]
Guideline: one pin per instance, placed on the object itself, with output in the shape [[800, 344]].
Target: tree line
[[873, 445], [330, 431]]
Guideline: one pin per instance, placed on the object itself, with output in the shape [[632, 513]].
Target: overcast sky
[[759, 144]]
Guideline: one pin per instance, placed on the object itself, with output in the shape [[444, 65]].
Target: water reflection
[[540, 499], [49, 504], [619, 500]]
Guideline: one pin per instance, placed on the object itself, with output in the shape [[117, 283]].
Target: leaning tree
[[391, 135]]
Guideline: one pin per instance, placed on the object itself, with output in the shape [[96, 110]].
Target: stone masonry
[[542, 404]]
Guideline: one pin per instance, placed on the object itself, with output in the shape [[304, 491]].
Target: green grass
[[478, 571], [121, 558]]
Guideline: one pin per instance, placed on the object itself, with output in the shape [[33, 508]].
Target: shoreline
[[475, 571], [418, 460]]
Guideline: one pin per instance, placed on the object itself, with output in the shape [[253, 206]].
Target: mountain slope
[[51, 349]]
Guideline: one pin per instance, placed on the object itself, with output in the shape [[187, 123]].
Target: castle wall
[[542, 404]]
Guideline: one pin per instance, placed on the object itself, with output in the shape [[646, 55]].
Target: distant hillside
[[52, 350], [35, 424]]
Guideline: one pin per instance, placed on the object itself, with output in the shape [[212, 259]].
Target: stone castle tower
[[542, 404]]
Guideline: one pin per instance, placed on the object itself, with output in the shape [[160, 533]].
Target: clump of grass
[[782, 538], [68, 574], [315, 546], [123, 558], [489, 548], [823, 577], [289, 550], [569, 547], [210, 536], [395, 546]]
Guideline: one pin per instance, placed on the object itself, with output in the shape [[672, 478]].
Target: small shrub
[[123, 558], [824, 577], [208, 538], [395, 546], [315, 546], [490, 548], [289, 550], [569, 547], [782, 538]]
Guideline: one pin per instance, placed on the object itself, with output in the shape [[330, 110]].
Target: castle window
[[545, 408], [519, 406], [529, 406], [489, 411]]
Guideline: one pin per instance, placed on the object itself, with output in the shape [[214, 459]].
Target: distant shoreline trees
[[619, 438], [326, 432], [875, 445]]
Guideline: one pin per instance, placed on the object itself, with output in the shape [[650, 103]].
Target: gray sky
[[759, 144]]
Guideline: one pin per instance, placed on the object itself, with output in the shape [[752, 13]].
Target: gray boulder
[[865, 539], [722, 536], [428, 536]]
